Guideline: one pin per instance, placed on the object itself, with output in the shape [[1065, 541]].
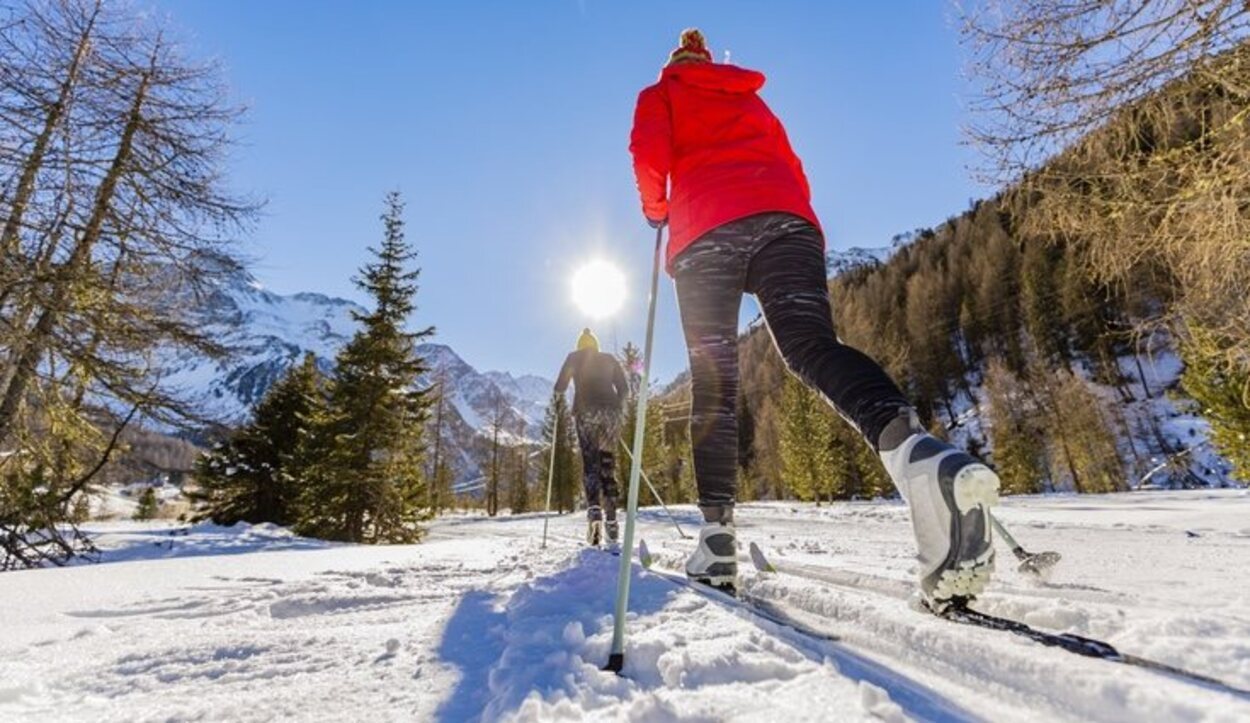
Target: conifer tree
[[148, 505], [255, 475], [1019, 445], [807, 458], [440, 494], [865, 476], [1222, 391], [564, 480], [490, 450], [365, 473], [519, 497], [1076, 427]]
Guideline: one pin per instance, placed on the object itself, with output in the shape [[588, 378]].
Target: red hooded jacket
[[704, 128]]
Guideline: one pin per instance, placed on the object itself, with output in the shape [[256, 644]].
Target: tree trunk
[[26, 362], [10, 235], [436, 476]]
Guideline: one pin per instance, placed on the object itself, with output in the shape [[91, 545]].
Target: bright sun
[[598, 289]]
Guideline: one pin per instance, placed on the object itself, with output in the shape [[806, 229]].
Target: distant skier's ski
[[1080, 645]]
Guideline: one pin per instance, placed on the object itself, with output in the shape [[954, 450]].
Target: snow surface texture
[[478, 623]]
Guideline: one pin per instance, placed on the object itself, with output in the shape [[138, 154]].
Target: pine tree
[[365, 474], [807, 444], [865, 476], [490, 450], [1019, 448], [1222, 392], [563, 469], [519, 497], [746, 451], [440, 494], [148, 505], [1083, 447], [255, 476], [1043, 309]]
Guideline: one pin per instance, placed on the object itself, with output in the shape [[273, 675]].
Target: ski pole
[[616, 660], [1034, 563], [551, 473], [680, 532]]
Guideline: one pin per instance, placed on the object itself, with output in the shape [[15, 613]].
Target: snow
[[480, 623]]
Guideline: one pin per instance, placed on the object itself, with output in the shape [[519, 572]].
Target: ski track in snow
[[479, 623]]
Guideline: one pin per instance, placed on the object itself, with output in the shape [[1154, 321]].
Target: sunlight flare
[[598, 289]]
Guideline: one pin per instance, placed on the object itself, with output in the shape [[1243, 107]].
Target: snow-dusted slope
[[839, 262], [478, 623]]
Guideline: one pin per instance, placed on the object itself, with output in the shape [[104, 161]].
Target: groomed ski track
[[479, 623]]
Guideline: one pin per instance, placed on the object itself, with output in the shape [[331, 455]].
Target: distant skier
[[714, 164], [599, 391]]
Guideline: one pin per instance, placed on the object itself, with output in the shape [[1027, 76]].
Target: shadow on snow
[[536, 642]]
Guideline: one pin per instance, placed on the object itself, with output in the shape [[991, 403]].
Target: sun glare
[[598, 289]]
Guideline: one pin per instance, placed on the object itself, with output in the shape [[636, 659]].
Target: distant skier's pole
[[616, 660], [551, 472], [680, 532]]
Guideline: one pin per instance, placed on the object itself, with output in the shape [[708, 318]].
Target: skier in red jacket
[[714, 164]]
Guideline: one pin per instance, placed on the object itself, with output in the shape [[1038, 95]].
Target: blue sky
[[505, 124]]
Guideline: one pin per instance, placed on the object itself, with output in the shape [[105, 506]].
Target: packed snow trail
[[479, 623], [962, 614]]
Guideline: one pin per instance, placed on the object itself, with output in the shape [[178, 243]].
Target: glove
[[657, 224]]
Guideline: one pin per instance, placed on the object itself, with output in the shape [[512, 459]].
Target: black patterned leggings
[[598, 434], [778, 257]]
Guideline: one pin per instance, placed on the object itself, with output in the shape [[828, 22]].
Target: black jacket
[[598, 380]]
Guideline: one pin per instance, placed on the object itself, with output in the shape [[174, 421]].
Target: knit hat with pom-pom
[[587, 340], [693, 48]]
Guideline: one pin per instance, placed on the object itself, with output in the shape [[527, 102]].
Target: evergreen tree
[[746, 450], [148, 505], [255, 475], [440, 494], [365, 475], [1043, 310], [1018, 443], [565, 474], [1221, 390], [679, 483], [655, 451], [519, 497], [865, 476], [1076, 426], [490, 450], [807, 444]]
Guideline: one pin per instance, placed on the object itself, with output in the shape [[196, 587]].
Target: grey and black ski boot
[[950, 495], [594, 526], [715, 559], [613, 530]]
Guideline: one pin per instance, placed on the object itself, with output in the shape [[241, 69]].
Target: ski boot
[[613, 530], [594, 526], [950, 495], [715, 559]]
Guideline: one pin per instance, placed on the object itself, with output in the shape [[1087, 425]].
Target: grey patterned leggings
[[779, 258]]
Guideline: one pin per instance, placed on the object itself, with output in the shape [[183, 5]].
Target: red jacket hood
[[716, 76]]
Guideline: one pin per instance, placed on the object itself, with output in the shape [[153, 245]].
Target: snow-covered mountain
[[839, 262], [270, 332]]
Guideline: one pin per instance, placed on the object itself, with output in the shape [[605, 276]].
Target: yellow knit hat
[[692, 47], [587, 341]]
